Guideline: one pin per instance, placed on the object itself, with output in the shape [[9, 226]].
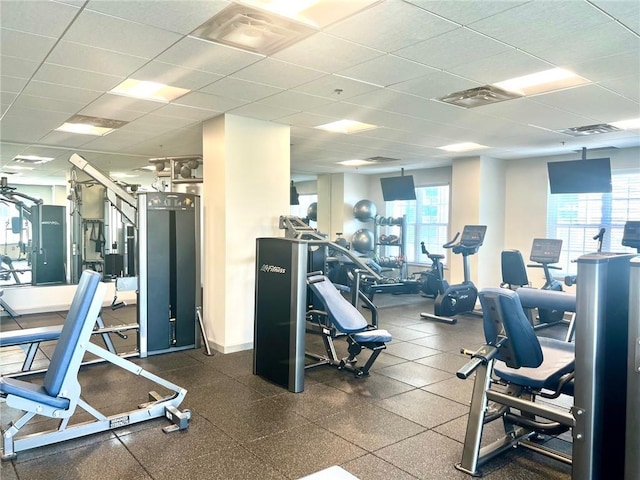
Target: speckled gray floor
[[406, 421]]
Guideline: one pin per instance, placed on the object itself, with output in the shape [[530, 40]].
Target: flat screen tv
[[580, 176], [398, 188]]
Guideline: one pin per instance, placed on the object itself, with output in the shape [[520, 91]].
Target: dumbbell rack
[[398, 240]]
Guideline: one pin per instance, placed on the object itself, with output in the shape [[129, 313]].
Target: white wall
[[492, 210], [246, 180]]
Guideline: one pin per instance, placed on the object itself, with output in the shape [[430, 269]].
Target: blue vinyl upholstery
[[343, 314], [523, 349], [48, 394]]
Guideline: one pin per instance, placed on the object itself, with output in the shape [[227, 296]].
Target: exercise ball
[[312, 212], [362, 240], [365, 210]]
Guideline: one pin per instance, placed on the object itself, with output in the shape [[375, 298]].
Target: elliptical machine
[[461, 297], [433, 282]]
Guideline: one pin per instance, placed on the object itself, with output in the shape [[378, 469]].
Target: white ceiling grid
[[385, 65]]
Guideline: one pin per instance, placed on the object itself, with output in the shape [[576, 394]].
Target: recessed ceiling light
[[542, 82], [355, 163], [31, 159], [146, 90], [463, 147], [347, 126], [632, 124], [90, 125]]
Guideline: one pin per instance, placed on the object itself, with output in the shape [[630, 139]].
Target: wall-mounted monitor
[[580, 176], [398, 188]]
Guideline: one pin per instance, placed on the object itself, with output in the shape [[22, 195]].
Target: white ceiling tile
[[453, 48], [175, 75], [626, 12], [180, 111], [335, 88], [50, 104], [24, 45], [232, 87], [527, 111], [42, 18], [208, 102], [626, 86], [74, 77], [12, 84], [503, 66], [294, 100], [118, 107], [177, 16], [270, 71], [191, 52], [17, 67], [26, 128], [326, 53], [591, 101], [65, 139], [262, 112], [606, 68], [60, 92], [114, 141], [162, 122], [94, 59], [386, 70], [304, 119], [528, 22], [471, 12], [111, 33], [434, 85], [601, 40], [391, 25]]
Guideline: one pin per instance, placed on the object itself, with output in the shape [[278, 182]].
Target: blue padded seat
[[526, 359], [343, 314], [48, 394]]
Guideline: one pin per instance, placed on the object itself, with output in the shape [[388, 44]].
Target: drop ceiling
[[386, 65]]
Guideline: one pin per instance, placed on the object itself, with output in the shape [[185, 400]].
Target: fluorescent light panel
[[146, 90], [86, 125], [30, 159], [355, 163], [462, 147], [347, 126], [542, 82], [316, 13]]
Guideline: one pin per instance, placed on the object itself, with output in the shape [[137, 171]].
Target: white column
[[246, 170]]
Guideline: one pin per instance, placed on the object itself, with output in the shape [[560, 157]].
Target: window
[[577, 218], [427, 221]]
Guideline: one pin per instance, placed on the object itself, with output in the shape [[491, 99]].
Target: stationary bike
[[461, 297], [433, 282]]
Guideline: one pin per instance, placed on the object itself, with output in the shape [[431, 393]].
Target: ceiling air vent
[[382, 159], [478, 96], [589, 130]]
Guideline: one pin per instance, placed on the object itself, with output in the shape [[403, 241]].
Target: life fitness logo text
[[272, 269]]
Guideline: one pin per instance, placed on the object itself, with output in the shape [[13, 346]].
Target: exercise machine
[[461, 297], [433, 282], [60, 394], [512, 369]]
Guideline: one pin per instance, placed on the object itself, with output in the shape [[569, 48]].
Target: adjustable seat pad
[[60, 361], [343, 314]]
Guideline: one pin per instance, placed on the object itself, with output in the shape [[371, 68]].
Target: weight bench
[[31, 338], [59, 395], [512, 369], [341, 318]]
